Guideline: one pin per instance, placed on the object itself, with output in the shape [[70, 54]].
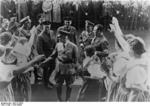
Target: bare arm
[[119, 35], [52, 56], [27, 65]]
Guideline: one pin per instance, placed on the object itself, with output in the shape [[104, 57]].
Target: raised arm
[[33, 37], [119, 35]]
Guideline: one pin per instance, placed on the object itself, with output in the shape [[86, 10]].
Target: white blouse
[[120, 63], [137, 73], [6, 72], [94, 67]]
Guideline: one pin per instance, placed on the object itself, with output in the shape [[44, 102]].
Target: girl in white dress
[[92, 74]]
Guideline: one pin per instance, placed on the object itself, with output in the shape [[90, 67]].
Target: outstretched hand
[[42, 64], [39, 58], [115, 21], [115, 25]]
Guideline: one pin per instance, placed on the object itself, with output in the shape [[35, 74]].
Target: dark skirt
[[22, 87], [92, 90]]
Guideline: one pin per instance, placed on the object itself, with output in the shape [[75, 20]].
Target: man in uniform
[[46, 45], [25, 27], [67, 27], [87, 35], [85, 38], [67, 59], [100, 43]]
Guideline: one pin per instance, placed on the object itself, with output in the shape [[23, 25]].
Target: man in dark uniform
[[46, 45], [100, 43], [67, 27], [40, 25], [85, 38], [87, 35], [67, 59]]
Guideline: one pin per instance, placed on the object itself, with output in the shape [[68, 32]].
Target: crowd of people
[[27, 50], [130, 18]]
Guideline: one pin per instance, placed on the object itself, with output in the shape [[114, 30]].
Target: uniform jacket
[[45, 44], [72, 31]]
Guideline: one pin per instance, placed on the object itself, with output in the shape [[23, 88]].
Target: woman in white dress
[[8, 64], [23, 51], [132, 80], [8, 72]]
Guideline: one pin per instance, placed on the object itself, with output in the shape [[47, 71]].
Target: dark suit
[[46, 45]]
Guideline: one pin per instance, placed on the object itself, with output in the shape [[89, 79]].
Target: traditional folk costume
[[15, 57], [133, 85], [133, 81], [6, 75], [93, 83], [21, 83], [7, 65], [122, 59]]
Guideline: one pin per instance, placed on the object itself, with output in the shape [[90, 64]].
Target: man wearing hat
[[25, 27], [13, 26], [87, 35], [67, 59], [67, 27], [85, 38], [40, 25], [46, 45]]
